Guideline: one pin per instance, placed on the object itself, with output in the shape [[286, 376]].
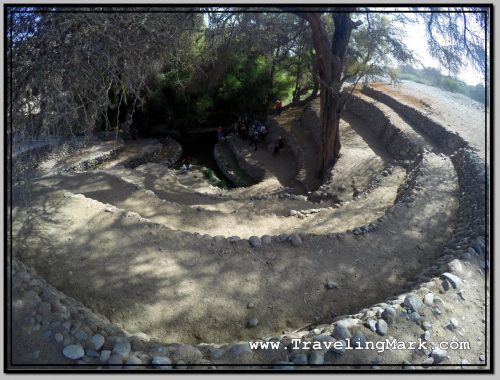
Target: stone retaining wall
[[230, 174], [254, 172], [97, 159], [292, 143], [311, 121], [172, 149], [394, 139], [149, 154], [31, 158], [427, 125]]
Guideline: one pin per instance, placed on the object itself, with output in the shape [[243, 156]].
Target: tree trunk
[[330, 65], [329, 125]]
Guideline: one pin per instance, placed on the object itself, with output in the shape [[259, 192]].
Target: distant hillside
[[433, 77]]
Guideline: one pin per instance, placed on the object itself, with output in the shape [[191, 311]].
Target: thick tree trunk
[[330, 65], [329, 126]]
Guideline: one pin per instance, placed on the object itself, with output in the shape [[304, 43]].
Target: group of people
[[252, 130]]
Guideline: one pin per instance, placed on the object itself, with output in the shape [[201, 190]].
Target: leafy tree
[[451, 39], [71, 67]]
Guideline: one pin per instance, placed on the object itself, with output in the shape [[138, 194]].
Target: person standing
[[279, 106]]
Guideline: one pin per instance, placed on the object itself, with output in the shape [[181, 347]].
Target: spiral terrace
[[141, 256]]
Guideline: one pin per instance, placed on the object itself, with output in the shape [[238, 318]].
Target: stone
[[407, 365], [479, 247], [323, 338], [73, 351], [250, 305], [461, 294], [439, 355], [293, 213], [482, 358], [426, 335], [115, 360], [339, 347], [454, 280], [266, 239], [378, 359], [341, 332], [180, 364], [358, 340], [464, 363], [381, 327], [428, 362], [426, 325], [284, 365], [389, 315], [414, 317], [316, 358], [455, 266], [185, 352], [429, 299], [296, 240], [413, 303], [217, 354], [371, 323], [81, 335], [58, 337], [44, 309], [453, 323], [97, 341], [133, 362], [240, 348], [300, 358], [122, 348], [331, 285], [219, 240], [252, 322], [92, 354], [161, 362], [105, 355], [255, 241], [142, 336]]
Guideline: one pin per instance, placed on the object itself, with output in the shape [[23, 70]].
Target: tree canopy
[[82, 69]]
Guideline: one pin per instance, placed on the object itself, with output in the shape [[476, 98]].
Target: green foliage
[[433, 77], [212, 178]]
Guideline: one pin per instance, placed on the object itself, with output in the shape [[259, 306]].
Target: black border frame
[[355, 368]]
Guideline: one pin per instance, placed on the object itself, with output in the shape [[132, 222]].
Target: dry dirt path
[[264, 217]]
